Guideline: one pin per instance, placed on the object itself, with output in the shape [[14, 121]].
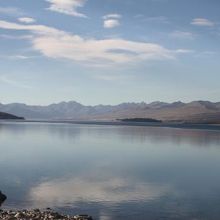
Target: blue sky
[[109, 51]]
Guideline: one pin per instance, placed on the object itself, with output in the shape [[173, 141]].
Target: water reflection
[[113, 190], [111, 172], [195, 137], [63, 131]]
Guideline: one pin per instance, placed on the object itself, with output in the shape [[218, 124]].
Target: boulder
[[2, 198], [82, 217]]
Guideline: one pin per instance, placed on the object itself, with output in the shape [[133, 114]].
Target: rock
[[2, 198], [37, 214], [82, 217]]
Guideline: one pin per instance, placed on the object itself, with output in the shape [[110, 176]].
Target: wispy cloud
[[182, 35], [112, 16], [26, 20], [13, 37], [206, 54], [156, 19], [68, 7], [59, 44], [6, 80], [17, 57], [11, 11], [184, 51], [111, 77], [202, 22]]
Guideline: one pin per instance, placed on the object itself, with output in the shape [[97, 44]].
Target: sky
[[109, 51]]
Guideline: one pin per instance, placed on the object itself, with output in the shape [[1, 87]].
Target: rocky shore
[[38, 214], [35, 214]]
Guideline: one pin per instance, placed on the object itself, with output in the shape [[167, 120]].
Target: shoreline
[[197, 126], [32, 214], [47, 214]]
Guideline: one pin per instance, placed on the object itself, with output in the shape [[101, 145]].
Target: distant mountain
[[197, 111], [4, 115]]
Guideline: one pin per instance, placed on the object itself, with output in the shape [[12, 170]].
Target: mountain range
[[196, 111]]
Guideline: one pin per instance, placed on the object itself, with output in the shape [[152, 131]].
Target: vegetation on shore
[[140, 120]]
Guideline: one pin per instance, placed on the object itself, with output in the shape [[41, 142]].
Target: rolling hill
[[4, 115]]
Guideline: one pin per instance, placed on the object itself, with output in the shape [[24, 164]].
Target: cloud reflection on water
[[57, 192]]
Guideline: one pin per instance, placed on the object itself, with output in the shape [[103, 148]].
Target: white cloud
[[111, 23], [26, 20], [202, 22], [111, 20], [68, 7], [182, 35], [112, 16], [59, 44]]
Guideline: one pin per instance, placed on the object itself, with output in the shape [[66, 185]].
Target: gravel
[[38, 214]]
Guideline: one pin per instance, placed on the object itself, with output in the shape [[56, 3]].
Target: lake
[[111, 172]]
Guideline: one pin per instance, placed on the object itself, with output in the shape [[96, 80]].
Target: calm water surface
[[111, 172]]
